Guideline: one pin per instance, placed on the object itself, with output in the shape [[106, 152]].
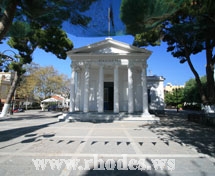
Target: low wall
[[202, 118]]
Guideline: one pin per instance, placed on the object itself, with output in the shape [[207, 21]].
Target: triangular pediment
[[110, 50], [108, 46]]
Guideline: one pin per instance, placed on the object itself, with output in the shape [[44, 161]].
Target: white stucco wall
[[154, 83], [156, 87], [111, 57]]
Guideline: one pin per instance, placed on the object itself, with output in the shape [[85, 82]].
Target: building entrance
[[108, 96]]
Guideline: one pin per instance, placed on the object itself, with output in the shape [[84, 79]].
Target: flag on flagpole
[[110, 15]]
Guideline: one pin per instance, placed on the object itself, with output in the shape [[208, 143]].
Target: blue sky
[[160, 63]]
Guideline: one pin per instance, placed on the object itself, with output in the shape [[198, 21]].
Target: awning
[[49, 100]]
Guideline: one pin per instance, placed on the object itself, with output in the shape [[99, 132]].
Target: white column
[[144, 89], [101, 89], [130, 91], [116, 89], [72, 91], [86, 88], [78, 92]]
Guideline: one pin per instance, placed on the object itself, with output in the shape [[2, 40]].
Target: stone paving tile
[[25, 138], [108, 147], [189, 164], [117, 124], [21, 165], [72, 132], [24, 166], [76, 124], [141, 132], [110, 132], [55, 146]]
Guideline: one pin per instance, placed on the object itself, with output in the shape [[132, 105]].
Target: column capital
[[75, 68], [131, 64], [101, 64], [87, 65], [144, 64], [116, 65]]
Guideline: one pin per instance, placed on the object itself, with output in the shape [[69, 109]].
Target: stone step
[[107, 117]]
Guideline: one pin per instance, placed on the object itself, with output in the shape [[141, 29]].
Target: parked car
[[52, 108], [18, 110]]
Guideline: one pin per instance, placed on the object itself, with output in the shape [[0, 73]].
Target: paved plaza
[[185, 148]]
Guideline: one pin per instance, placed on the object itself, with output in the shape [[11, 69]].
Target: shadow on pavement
[[115, 171], [17, 132], [31, 116], [177, 128]]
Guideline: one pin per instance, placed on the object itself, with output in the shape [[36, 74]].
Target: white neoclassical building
[[111, 76]]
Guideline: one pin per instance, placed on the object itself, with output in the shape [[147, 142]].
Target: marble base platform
[[107, 117]]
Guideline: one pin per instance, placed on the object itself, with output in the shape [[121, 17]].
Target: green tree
[[44, 82], [182, 45], [43, 13], [175, 97], [13, 64], [25, 89], [51, 40], [191, 93], [39, 83], [186, 25], [38, 24], [143, 18]]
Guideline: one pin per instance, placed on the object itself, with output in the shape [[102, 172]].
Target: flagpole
[[109, 16]]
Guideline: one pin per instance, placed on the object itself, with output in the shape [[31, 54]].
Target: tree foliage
[[38, 24], [43, 13], [175, 97], [143, 19], [43, 82], [48, 82], [25, 90], [191, 93], [27, 45], [35, 24], [187, 26]]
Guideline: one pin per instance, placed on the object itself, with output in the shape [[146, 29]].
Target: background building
[[111, 76], [5, 83], [169, 87]]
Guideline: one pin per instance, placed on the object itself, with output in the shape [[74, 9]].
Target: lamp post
[[177, 99], [7, 57]]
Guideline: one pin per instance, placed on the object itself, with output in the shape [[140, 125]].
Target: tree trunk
[[26, 104], [10, 94], [210, 73], [198, 81], [7, 18]]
